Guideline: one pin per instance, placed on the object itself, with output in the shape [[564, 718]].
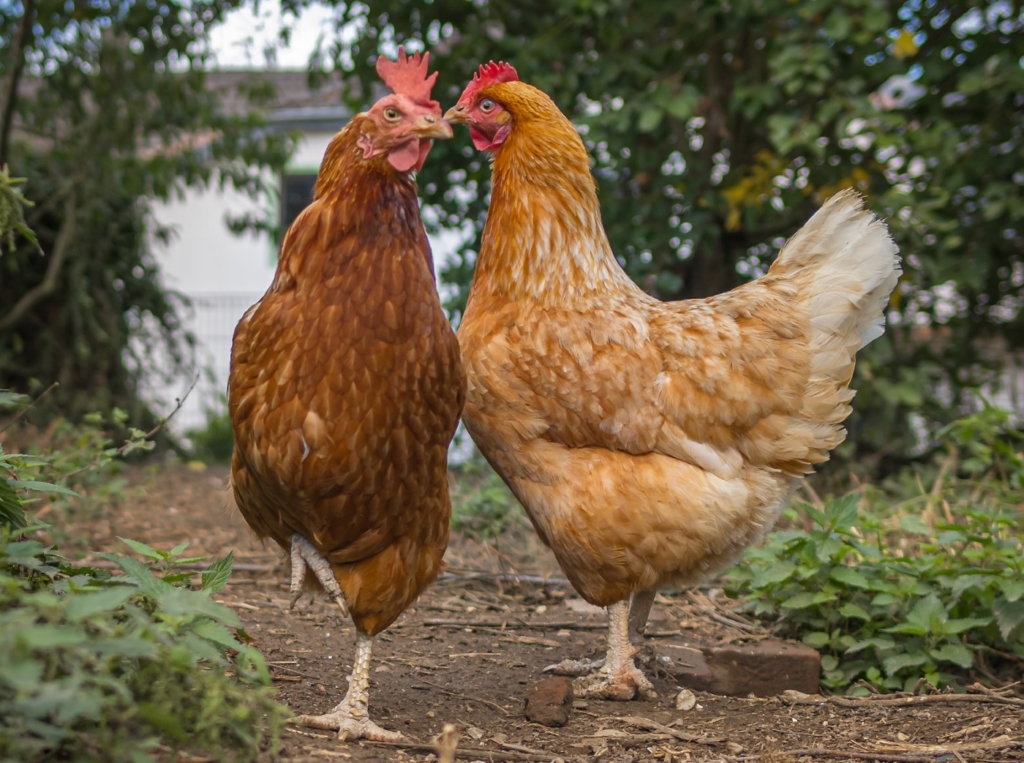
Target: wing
[[717, 383]]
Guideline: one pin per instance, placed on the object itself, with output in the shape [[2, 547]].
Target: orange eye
[[392, 114], [487, 105]]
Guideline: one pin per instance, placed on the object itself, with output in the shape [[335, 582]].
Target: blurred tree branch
[[53, 268], [18, 66]]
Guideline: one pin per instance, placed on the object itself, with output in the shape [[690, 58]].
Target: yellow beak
[[431, 127], [456, 115]]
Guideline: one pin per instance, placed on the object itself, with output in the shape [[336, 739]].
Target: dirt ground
[[469, 649]]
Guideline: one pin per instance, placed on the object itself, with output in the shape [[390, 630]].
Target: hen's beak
[[434, 128], [456, 115]]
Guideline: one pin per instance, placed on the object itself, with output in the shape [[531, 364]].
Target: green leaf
[[849, 576], [806, 599], [879, 643], [958, 654], [912, 523], [87, 604], [898, 662], [952, 627], [43, 637], [218, 573], [177, 550], [22, 674], [1011, 588], [908, 629], [816, 639], [929, 613], [854, 612], [139, 573], [42, 487], [217, 633], [182, 602], [129, 647], [141, 548], [1009, 615], [841, 513]]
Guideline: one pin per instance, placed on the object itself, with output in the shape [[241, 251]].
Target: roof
[[290, 101]]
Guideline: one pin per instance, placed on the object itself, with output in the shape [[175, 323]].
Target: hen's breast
[[344, 393]]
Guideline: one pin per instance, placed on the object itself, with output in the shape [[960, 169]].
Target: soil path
[[469, 649]]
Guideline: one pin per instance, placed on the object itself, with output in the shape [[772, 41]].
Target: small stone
[[686, 700], [430, 713], [541, 609], [734, 748], [549, 702]]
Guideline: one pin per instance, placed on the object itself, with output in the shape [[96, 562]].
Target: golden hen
[[346, 385], [649, 442]]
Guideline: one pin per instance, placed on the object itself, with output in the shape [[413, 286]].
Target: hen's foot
[[305, 556], [574, 667], [623, 683], [349, 727]]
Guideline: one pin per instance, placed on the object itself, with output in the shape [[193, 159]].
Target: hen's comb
[[408, 76], [490, 74]]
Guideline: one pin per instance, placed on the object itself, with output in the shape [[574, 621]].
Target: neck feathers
[[358, 206], [544, 239]]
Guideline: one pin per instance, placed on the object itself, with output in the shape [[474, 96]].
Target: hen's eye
[[391, 114], [486, 105]]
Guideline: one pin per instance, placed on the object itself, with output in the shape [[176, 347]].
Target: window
[[296, 194]]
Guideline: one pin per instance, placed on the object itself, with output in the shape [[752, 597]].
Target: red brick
[[763, 668]]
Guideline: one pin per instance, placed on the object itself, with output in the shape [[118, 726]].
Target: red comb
[[490, 74], [408, 76]]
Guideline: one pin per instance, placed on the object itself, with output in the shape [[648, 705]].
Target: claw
[[349, 728], [305, 556], [615, 677], [574, 667], [626, 683]]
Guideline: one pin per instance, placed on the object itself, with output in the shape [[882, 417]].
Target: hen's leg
[[618, 678], [305, 555], [639, 610], [351, 718]]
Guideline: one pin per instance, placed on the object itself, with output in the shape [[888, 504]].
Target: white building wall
[[222, 274]]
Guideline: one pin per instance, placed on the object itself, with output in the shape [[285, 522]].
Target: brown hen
[[649, 442], [346, 386]]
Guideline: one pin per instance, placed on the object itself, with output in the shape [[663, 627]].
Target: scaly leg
[[618, 678], [351, 717], [639, 610], [305, 555]]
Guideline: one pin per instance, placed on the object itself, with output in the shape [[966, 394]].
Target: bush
[[95, 666], [930, 588], [101, 667]]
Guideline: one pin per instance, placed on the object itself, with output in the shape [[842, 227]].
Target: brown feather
[[346, 387]]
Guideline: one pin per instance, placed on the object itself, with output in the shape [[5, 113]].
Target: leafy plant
[[95, 666], [889, 603], [100, 666]]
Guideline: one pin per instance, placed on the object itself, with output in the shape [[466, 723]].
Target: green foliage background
[[112, 112]]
